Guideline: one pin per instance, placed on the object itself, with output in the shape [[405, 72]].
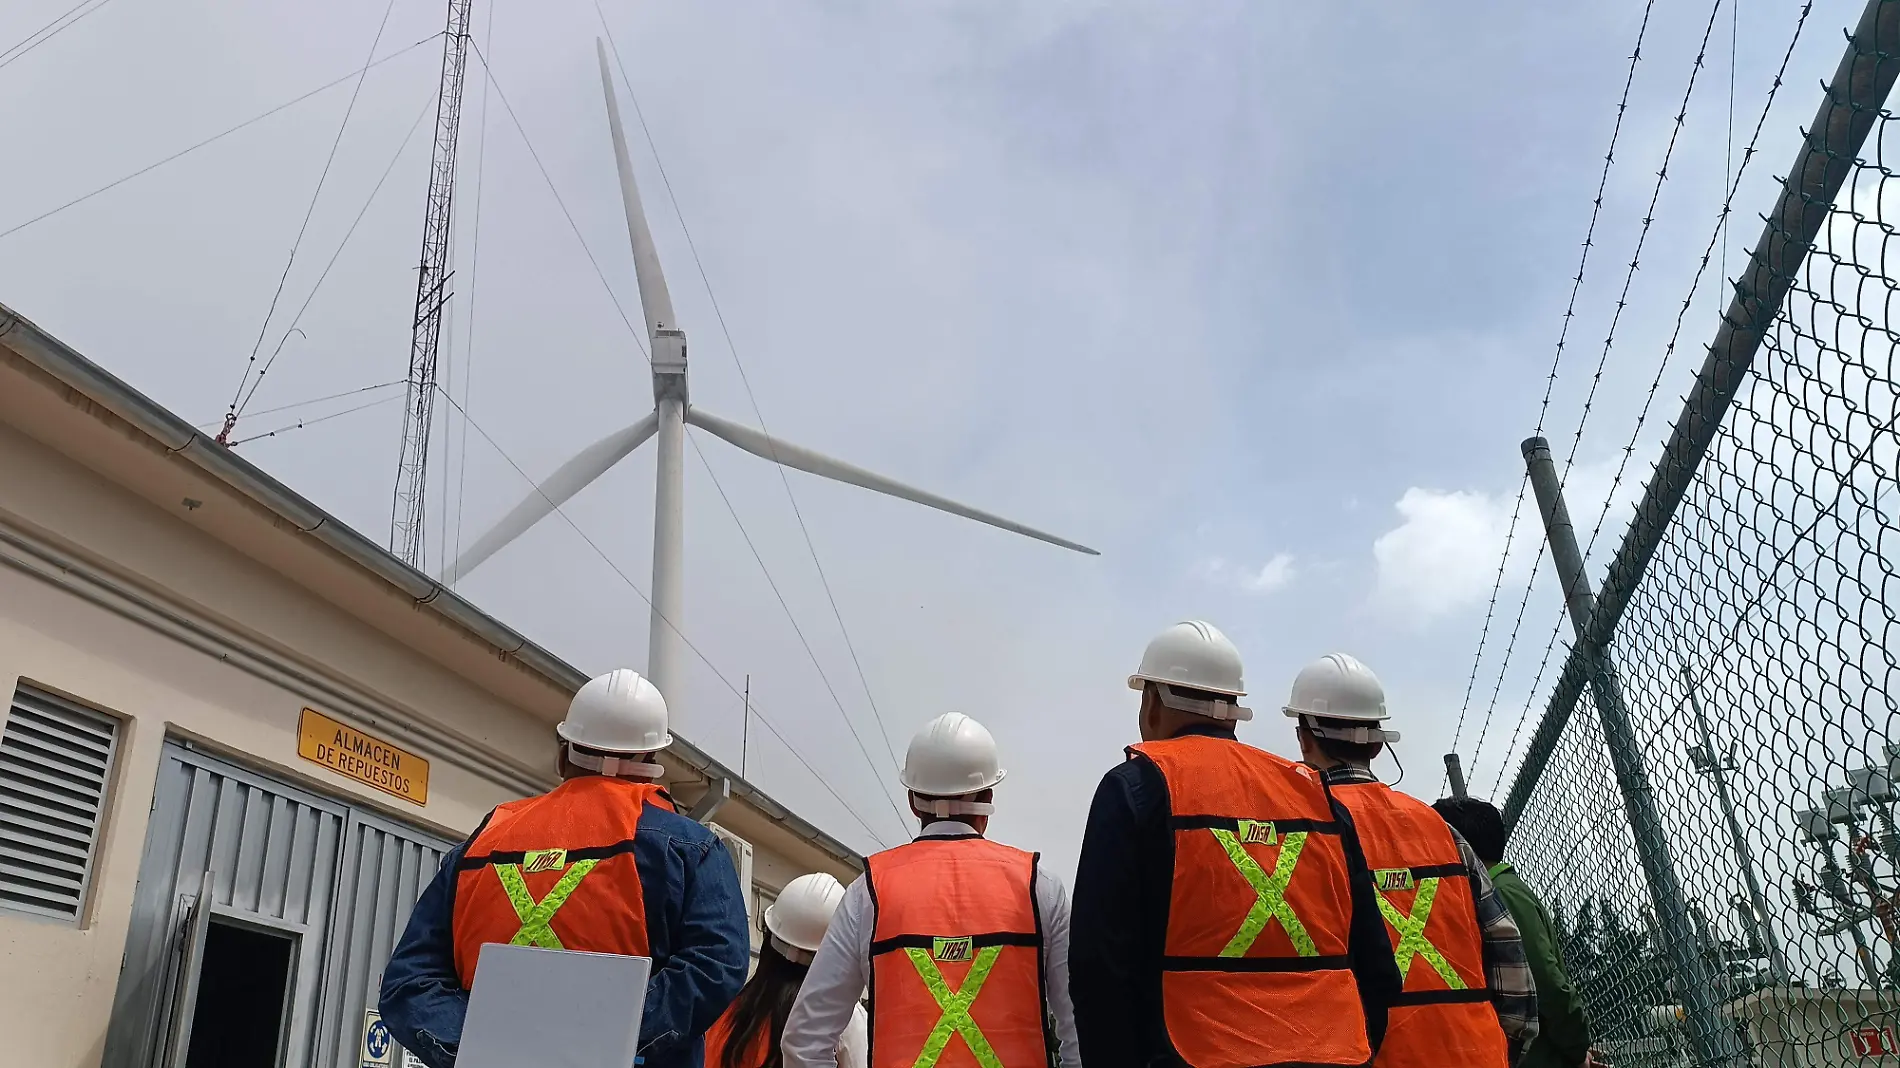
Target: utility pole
[[745, 728], [432, 298], [1716, 765], [1710, 1034]]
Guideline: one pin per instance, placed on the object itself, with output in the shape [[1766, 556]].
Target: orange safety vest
[[556, 871], [721, 1032], [956, 957], [1256, 969], [1444, 1014]]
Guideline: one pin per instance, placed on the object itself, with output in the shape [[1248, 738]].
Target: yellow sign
[[348, 751]]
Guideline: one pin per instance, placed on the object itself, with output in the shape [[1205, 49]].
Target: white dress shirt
[[851, 1045], [826, 1002]]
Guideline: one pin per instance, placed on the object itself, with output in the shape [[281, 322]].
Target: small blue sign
[[377, 1044]]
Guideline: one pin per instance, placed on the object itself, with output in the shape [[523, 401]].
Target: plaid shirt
[[1507, 970]]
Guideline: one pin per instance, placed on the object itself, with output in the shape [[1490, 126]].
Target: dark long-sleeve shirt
[[696, 933], [1119, 922], [1507, 972], [1563, 1035]]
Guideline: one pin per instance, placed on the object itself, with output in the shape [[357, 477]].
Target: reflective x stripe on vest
[[1269, 890], [955, 1003], [1411, 929], [536, 915]]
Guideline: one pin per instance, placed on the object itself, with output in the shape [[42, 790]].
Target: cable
[[27, 41], [1616, 317], [784, 479], [1717, 233], [474, 276], [488, 73], [82, 198], [1728, 146], [639, 342], [1550, 385], [29, 44], [809, 651], [301, 423], [231, 414], [207, 424], [635, 587], [1642, 237], [341, 245], [447, 369]]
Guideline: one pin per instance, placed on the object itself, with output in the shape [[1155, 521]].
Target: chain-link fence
[[1707, 804]]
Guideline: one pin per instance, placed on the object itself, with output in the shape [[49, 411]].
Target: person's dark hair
[[1480, 823], [1346, 752], [763, 1003]]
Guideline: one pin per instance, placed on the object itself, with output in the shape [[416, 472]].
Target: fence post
[[1711, 1036], [1455, 775]]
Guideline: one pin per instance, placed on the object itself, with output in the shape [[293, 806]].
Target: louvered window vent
[[55, 764]]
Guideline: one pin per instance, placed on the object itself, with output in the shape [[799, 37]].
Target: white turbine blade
[[656, 303], [567, 480], [784, 452]]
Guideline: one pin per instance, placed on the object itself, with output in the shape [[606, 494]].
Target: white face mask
[[618, 767]]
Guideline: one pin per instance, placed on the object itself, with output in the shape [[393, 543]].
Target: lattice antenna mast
[[432, 297]]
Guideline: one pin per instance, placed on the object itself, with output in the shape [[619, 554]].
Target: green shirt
[[1563, 1034]]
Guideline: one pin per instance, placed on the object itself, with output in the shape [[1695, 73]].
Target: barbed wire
[[1550, 384], [1603, 358], [1716, 234]]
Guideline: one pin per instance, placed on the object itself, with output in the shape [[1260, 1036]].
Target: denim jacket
[[696, 931]]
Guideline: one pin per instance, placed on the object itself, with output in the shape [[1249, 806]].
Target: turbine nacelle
[[669, 364]]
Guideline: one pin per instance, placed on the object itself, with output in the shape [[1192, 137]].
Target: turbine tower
[[672, 412]]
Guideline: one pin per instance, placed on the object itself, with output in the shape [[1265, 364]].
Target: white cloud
[[1444, 555], [1272, 576]]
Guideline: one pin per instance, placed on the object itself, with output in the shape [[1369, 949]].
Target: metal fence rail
[[1714, 826]]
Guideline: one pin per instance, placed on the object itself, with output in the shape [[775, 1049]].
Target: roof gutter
[[182, 439]]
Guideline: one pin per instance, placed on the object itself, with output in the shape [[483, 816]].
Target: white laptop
[[553, 1009]]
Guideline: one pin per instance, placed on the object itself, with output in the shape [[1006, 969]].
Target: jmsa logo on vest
[[953, 949]]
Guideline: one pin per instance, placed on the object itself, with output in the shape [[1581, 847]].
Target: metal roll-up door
[[272, 852], [385, 868]]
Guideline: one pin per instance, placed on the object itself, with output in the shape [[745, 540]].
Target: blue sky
[[1256, 298]]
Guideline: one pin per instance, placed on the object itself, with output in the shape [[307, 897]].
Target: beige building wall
[[57, 981], [119, 600]]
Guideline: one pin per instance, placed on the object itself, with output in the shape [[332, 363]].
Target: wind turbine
[[672, 412]]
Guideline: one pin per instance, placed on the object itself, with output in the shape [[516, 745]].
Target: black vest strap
[[1442, 997], [982, 941], [519, 856], [1232, 823], [1255, 964]]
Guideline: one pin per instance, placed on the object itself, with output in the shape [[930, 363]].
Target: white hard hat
[[797, 920], [616, 713], [1197, 656], [951, 757], [1339, 687]]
